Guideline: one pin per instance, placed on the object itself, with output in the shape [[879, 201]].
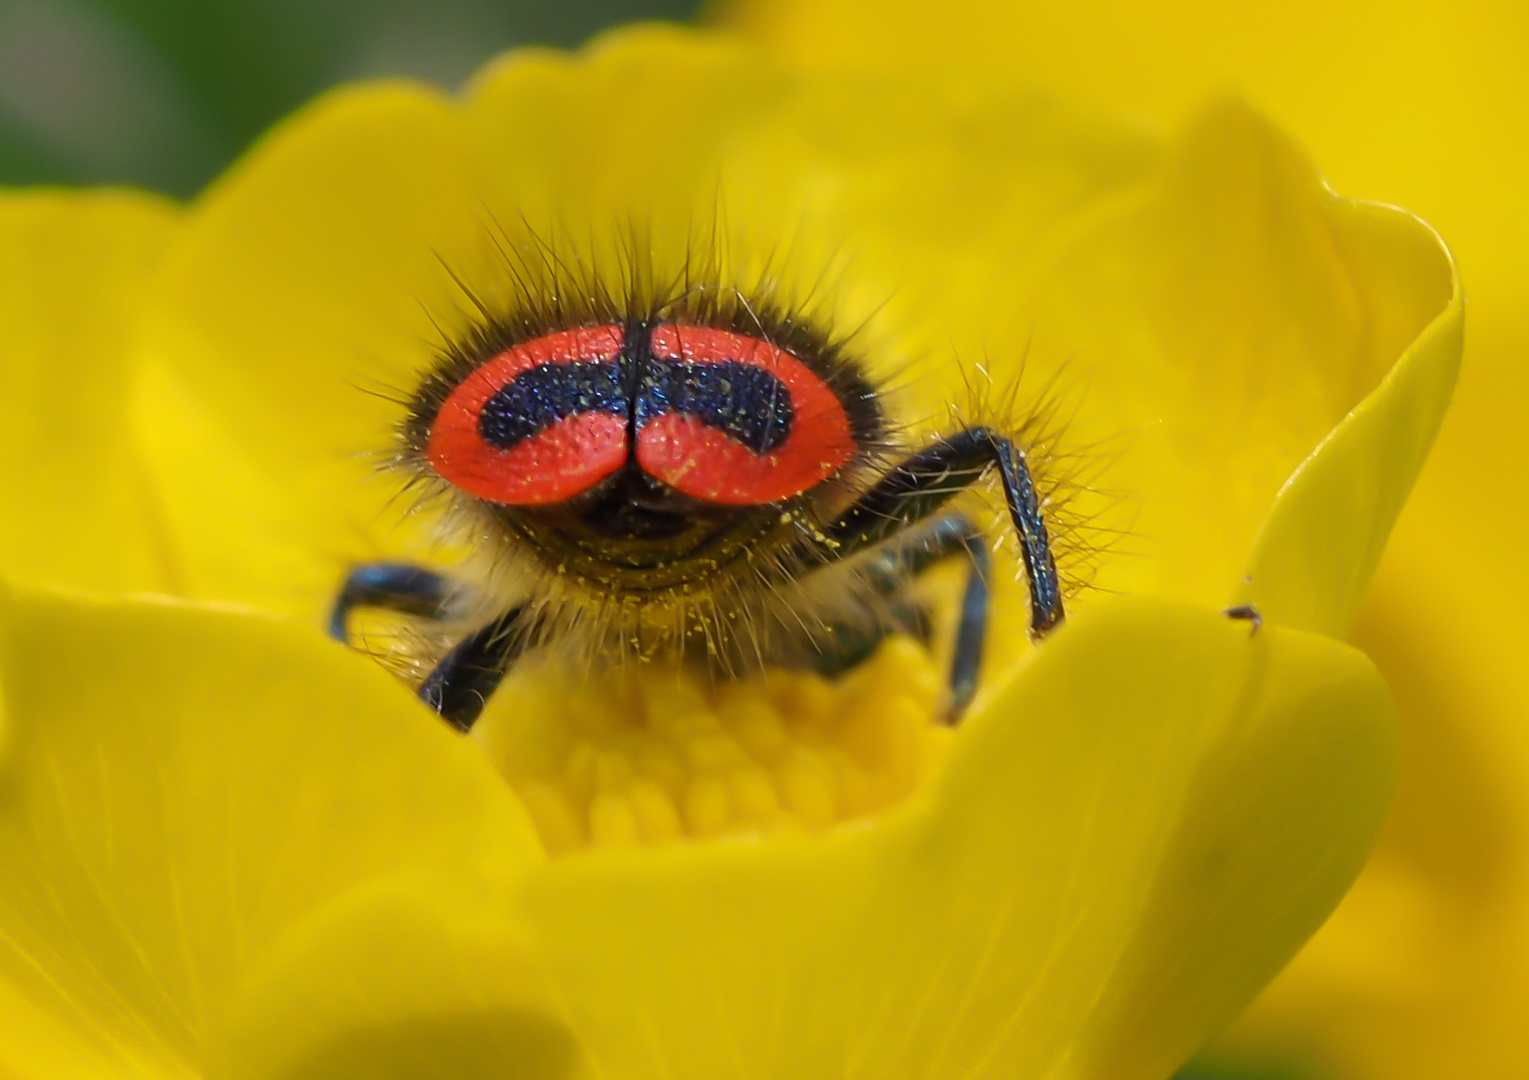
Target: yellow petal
[[40, 1043], [1312, 561], [791, 168], [1109, 868], [180, 787], [451, 995], [77, 506], [1228, 316], [291, 301], [1052, 908]]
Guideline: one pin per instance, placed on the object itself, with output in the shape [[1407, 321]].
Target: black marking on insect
[[672, 477]]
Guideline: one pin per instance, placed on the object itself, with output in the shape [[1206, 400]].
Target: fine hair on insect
[[651, 454]]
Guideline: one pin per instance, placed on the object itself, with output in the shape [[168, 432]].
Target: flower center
[[659, 754]]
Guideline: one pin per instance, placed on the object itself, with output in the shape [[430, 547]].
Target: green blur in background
[[163, 94]]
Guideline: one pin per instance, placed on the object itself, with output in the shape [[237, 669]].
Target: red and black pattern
[[715, 415]]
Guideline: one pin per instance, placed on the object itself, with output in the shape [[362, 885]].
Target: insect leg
[[947, 535], [849, 644], [467, 676], [923, 483], [401, 587], [955, 533]]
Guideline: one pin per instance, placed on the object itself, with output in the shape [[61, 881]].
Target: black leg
[[401, 587], [948, 535], [463, 681], [971, 625], [465, 677], [921, 485]]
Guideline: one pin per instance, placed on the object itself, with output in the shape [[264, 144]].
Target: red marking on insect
[[524, 430], [705, 463], [568, 458]]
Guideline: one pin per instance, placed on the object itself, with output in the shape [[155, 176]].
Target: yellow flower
[[229, 848], [1424, 971]]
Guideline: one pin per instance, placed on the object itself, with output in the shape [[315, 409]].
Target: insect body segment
[[714, 415], [538, 423], [735, 420], [660, 485]]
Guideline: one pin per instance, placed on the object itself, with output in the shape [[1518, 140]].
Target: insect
[[1249, 614], [705, 476]]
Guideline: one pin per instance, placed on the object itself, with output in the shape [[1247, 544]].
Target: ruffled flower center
[[658, 754]]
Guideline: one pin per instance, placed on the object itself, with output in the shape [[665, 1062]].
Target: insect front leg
[[922, 484], [468, 675], [463, 680], [918, 489]]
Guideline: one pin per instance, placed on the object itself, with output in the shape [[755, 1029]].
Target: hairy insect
[[684, 471]]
